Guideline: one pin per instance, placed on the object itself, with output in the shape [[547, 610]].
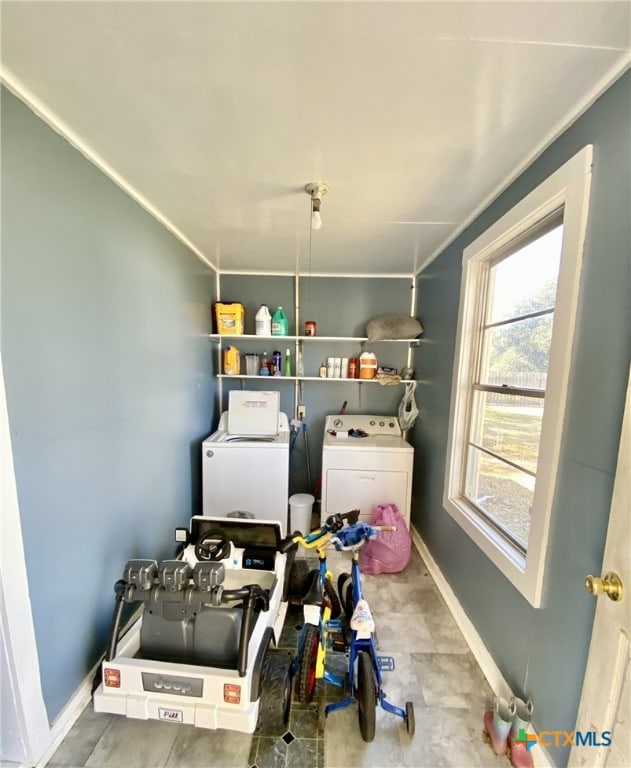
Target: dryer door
[[365, 489]]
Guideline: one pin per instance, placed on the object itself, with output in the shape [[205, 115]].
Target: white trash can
[[300, 509]]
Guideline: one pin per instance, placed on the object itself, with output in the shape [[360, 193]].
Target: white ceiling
[[217, 114]]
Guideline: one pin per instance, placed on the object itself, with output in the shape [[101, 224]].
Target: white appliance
[[248, 470], [362, 472]]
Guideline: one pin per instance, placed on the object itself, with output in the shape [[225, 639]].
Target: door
[[606, 689]]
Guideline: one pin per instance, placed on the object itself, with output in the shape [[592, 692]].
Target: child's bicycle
[[364, 666], [321, 610]]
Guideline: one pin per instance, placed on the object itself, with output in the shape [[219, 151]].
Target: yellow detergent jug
[[231, 361]]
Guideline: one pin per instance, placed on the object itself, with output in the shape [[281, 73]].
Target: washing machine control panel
[[372, 425]]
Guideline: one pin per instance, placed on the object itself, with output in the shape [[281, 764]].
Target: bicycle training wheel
[[308, 663], [409, 717], [366, 696]]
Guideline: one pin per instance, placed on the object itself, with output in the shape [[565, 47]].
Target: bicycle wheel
[[307, 666], [345, 591], [331, 598], [366, 696]]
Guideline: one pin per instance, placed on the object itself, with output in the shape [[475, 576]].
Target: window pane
[[517, 354], [502, 492], [526, 281], [508, 425]]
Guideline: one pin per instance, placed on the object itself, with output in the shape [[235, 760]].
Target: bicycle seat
[[314, 594]]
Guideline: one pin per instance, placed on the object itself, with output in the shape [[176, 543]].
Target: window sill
[[505, 556]]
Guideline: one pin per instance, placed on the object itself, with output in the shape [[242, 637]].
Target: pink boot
[[497, 725], [520, 742], [519, 755]]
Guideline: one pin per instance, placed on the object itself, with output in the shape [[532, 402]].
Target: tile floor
[[434, 669]]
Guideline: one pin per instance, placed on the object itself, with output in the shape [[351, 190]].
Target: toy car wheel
[[298, 578], [366, 696], [275, 699], [308, 664]]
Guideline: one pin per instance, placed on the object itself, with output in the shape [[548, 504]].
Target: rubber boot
[[518, 744], [497, 725]]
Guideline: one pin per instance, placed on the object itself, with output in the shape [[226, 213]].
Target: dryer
[[245, 463], [361, 472]]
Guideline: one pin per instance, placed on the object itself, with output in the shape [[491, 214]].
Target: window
[[518, 303], [509, 383]]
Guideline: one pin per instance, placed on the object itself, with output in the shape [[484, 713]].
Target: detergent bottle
[[263, 321], [280, 324], [367, 365], [231, 361]]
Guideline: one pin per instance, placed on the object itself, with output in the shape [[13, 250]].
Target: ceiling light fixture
[[316, 189]]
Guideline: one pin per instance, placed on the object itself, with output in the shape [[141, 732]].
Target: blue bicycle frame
[[356, 646]]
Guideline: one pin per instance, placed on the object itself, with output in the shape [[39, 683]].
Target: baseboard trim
[[69, 715], [490, 670], [77, 703]]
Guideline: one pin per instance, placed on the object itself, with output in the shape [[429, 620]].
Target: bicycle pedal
[[339, 644], [386, 663]]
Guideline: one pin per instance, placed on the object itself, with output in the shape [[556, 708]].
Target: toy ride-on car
[[204, 650]]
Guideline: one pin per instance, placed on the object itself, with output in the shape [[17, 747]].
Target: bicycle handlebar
[[336, 521], [332, 524], [355, 536]]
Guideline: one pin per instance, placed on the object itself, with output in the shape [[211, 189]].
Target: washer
[[248, 471], [363, 472]]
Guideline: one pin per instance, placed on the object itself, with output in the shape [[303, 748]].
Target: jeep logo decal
[[178, 686]]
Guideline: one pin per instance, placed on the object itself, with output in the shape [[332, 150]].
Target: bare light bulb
[[316, 220]]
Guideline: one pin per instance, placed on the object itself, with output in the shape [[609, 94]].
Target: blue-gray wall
[[340, 307], [109, 386], [542, 653]]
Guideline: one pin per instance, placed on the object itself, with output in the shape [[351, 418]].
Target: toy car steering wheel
[[210, 547]]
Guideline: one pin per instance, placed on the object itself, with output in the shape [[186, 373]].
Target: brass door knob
[[610, 585]]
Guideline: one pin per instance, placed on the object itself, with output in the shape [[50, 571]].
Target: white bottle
[[263, 321]]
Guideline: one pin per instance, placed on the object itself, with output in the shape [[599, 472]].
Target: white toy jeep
[[204, 650]]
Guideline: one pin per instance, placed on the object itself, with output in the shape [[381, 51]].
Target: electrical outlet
[[302, 411]]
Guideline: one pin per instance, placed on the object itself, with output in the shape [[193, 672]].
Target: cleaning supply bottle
[[264, 370], [263, 321], [280, 324], [276, 363], [288, 362], [231, 361], [367, 365]]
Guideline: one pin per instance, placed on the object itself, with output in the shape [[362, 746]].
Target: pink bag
[[390, 552]]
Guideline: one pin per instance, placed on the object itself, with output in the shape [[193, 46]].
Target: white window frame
[[567, 188]]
